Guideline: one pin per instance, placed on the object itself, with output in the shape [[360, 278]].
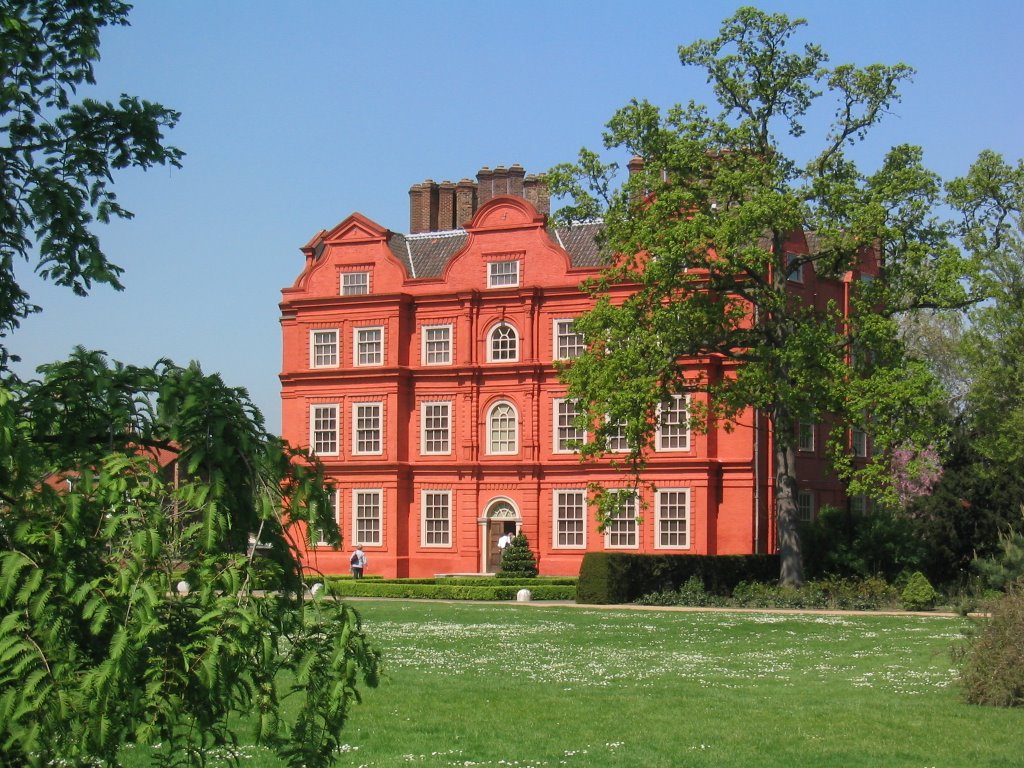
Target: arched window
[[503, 344], [502, 429]]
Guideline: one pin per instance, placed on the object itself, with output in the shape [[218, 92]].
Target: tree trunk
[[791, 564]]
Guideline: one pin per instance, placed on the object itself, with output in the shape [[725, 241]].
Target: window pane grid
[[805, 506], [502, 273], [617, 442], [570, 511], [325, 349], [436, 427], [368, 428], [355, 283], [504, 343], [567, 435], [673, 518], [622, 528], [673, 430], [568, 344], [325, 429], [503, 429], [368, 517], [369, 346], [805, 436], [437, 346], [437, 519]]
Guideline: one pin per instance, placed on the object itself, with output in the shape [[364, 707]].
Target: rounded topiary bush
[[993, 663], [518, 559], [919, 594]]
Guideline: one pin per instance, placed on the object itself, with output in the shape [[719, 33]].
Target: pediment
[[356, 228], [504, 212]]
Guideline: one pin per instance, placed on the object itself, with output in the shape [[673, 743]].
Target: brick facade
[[421, 369]]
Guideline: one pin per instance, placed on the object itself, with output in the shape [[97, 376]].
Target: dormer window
[[503, 274], [355, 283]]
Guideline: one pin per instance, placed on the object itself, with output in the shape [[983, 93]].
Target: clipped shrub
[[992, 671], [518, 560], [616, 577], [918, 595]]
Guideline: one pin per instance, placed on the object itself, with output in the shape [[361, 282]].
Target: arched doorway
[[500, 517]]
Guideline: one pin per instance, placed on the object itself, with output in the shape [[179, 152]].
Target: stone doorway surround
[[500, 516]]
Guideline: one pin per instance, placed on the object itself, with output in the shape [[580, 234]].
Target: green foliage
[[494, 589], [700, 241], [517, 560], [172, 479], [59, 155], [1007, 566], [859, 545], [918, 594], [827, 594], [616, 577], [992, 671]]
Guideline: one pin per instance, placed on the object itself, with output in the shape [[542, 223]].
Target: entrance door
[[502, 518]]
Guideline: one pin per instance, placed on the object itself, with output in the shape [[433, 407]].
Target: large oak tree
[[699, 236]]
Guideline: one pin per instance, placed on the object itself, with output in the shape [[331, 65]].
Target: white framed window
[[502, 344], [805, 505], [436, 427], [321, 535], [859, 443], [673, 425], [355, 283], [568, 436], [621, 531], [503, 274], [567, 343], [502, 429], [570, 518], [673, 519], [437, 518], [805, 436], [368, 346], [794, 271], [323, 348], [617, 442], [323, 429], [367, 427], [437, 345], [367, 516]]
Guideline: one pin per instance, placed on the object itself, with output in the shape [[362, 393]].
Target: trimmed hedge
[[440, 590], [618, 577]]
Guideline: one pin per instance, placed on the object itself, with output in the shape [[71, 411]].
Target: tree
[[702, 233], [56, 156], [517, 559], [140, 508]]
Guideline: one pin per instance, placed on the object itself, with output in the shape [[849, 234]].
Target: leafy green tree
[[701, 232], [143, 511]]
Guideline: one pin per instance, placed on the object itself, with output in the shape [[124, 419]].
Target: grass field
[[514, 685]]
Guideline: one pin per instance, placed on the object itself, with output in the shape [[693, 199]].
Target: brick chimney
[[423, 207], [465, 201], [535, 190], [438, 207], [446, 206]]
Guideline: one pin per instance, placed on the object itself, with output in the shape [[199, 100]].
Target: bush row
[[831, 593], [616, 577], [446, 591]]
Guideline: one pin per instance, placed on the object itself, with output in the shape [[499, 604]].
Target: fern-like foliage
[[119, 484]]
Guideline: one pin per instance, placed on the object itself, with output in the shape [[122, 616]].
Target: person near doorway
[[358, 563], [504, 541]]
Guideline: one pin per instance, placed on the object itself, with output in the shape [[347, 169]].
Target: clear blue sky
[[296, 114]]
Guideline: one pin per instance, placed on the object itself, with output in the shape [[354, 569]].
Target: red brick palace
[[420, 368]]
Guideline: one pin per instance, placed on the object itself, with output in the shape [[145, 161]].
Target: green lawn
[[514, 685]]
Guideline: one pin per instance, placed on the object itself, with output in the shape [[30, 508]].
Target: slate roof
[[427, 253]]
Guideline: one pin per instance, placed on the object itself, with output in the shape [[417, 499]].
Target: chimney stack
[[439, 207]]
